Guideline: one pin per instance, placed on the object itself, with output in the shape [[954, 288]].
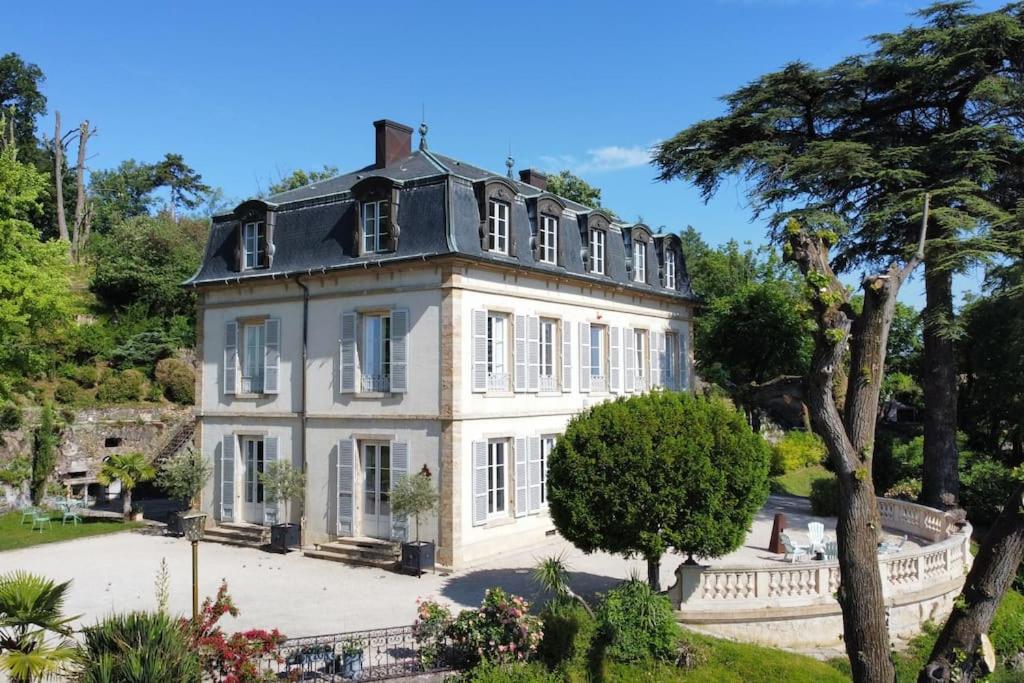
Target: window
[[548, 239], [670, 269], [252, 450], [497, 452], [254, 244], [640, 349], [497, 226], [671, 359], [548, 348], [375, 221], [497, 352], [639, 261], [376, 359], [547, 444], [254, 342], [598, 358], [597, 238]]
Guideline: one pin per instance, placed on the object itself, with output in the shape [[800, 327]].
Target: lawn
[[798, 482], [14, 534]]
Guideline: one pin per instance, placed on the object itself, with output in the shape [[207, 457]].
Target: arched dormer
[[671, 268], [545, 212], [495, 196], [594, 229], [638, 238], [376, 228], [254, 244]]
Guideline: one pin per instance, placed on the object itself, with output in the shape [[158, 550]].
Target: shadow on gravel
[[468, 589]]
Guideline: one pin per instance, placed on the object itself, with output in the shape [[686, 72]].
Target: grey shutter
[[566, 355], [585, 357], [533, 353], [227, 479], [665, 367], [347, 356], [399, 350], [522, 478], [535, 474], [479, 349], [271, 355], [520, 360], [271, 246], [684, 358], [345, 476], [615, 360], [399, 469], [630, 383], [656, 351], [230, 357], [479, 482], [272, 510]]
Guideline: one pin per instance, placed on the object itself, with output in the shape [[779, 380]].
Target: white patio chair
[[831, 550], [816, 535], [793, 550]]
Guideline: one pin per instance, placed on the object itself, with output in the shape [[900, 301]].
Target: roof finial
[[423, 127], [509, 161]]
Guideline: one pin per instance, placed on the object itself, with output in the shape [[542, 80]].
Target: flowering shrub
[[430, 631]]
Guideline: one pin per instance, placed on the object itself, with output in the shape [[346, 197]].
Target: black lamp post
[[194, 525]]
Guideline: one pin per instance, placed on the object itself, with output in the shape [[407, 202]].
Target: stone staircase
[[181, 438], [240, 534], [369, 552]]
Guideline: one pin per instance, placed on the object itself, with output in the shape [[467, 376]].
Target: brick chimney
[[394, 142], [532, 176]]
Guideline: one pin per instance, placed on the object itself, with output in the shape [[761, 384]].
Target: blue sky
[[249, 91]]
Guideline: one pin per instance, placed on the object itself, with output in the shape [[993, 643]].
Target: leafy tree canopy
[[19, 89], [300, 178], [567, 184]]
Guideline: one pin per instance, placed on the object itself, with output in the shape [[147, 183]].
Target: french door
[[254, 464], [376, 467]]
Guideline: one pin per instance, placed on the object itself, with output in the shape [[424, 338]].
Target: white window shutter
[[399, 469], [533, 353], [520, 353], [656, 351], [615, 360], [399, 350], [535, 473], [479, 482], [271, 355], [227, 479], [230, 357], [666, 367], [585, 357], [566, 355], [684, 359], [272, 510], [479, 349], [347, 357], [630, 383], [345, 481], [522, 478]]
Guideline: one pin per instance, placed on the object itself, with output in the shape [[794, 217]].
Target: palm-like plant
[[131, 469], [552, 574], [33, 628], [137, 647]]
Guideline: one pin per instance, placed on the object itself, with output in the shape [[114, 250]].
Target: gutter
[[302, 402]]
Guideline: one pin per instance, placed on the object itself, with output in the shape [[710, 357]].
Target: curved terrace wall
[[794, 605]]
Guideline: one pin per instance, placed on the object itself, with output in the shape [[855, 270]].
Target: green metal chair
[[28, 513], [40, 520], [70, 513]]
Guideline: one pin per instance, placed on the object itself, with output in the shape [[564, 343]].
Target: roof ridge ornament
[[423, 127]]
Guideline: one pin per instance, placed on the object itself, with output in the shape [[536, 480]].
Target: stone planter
[[284, 537], [351, 664], [417, 556]]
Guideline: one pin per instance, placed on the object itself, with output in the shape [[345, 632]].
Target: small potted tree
[[182, 478], [282, 483], [352, 658], [415, 496]]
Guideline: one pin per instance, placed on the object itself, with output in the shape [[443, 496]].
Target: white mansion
[[421, 314]]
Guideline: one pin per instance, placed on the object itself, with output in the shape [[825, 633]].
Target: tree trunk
[[940, 483], [994, 570], [654, 573], [58, 178], [80, 212], [126, 502]]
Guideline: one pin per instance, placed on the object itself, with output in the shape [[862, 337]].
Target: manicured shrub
[[138, 646], [797, 449], [10, 416], [635, 623], [1007, 630], [825, 497], [177, 379], [123, 387], [985, 484], [66, 392], [430, 630], [907, 489], [508, 672], [568, 633]]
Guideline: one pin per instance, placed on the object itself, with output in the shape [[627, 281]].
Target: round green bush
[[985, 484], [66, 392], [825, 497], [123, 387], [86, 375], [569, 631], [508, 672], [636, 624], [177, 379], [797, 449], [10, 416]]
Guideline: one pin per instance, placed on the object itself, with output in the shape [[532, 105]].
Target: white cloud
[[609, 158]]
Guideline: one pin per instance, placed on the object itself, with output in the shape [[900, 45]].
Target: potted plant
[[182, 477], [282, 483], [415, 496], [352, 658]]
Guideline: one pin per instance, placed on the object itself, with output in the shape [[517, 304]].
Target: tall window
[[598, 358], [548, 348], [253, 351], [375, 220], [597, 238], [548, 239], [671, 360], [497, 452], [376, 358], [497, 226], [252, 450], [639, 261], [640, 349], [497, 352], [670, 269], [254, 243], [547, 444]]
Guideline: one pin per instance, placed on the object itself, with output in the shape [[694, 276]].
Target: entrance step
[[233, 533], [369, 552]]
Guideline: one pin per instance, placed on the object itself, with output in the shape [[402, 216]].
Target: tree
[[664, 470], [572, 187], [45, 440], [300, 178], [413, 495], [186, 186], [31, 613], [131, 469], [121, 193], [183, 476], [933, 108], [19, 90], [137, 646], [282, 483]]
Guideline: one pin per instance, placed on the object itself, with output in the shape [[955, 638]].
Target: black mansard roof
[[439, 213]]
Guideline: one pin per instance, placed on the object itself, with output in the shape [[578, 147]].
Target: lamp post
[[194, 525]]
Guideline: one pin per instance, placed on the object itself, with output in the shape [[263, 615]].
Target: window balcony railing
[[598, 383], [548, 383], [640, 384], [376, 383], [252, 385], [497, 381]]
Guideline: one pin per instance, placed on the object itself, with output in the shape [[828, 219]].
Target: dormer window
[[375, 226], [639, 261], [597, 243], [548, 239], [376, 215], [254, 244], [670, 269], [497, 226]]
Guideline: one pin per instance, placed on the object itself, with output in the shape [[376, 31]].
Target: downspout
[[302, 403]]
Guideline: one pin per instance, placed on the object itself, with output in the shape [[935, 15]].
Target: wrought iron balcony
[[380, 383], [548, 383], [497, 381]]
